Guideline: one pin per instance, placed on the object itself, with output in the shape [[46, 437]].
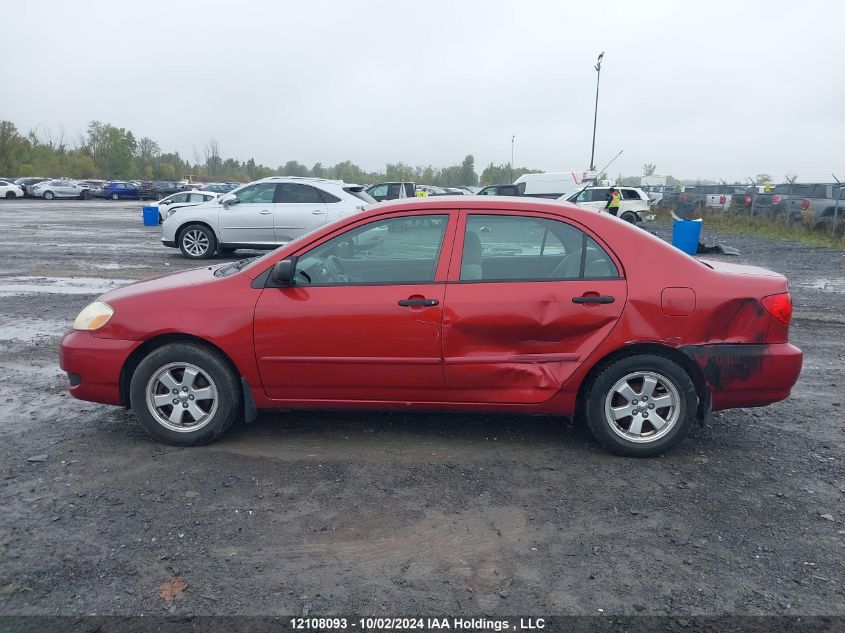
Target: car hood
[[162, 283]]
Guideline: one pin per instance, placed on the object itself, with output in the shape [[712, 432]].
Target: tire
[[629, 216], [202, 380], [114, 196], [83, 195], [197, 241], [48, 195], [637, 435], [10, 195]]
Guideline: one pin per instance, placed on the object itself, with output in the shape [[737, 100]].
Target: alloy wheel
[[642, 406], [182, 397]]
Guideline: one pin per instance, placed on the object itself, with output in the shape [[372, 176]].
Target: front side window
[[395, 251], [521, 248], [380, 191], [260, 193]]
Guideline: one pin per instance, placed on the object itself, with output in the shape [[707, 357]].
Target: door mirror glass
[[283, 271]]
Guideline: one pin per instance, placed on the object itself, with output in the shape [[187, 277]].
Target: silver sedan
[[50, 189]]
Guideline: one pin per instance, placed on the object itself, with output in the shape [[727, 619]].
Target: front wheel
[[83, 194], [114, 196], [641, 406], [197, 241], [48, 195], [185, 394], [10, 195]]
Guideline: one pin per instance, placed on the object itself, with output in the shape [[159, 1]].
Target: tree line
[[106, 151]]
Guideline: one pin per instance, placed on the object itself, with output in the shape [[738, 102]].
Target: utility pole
[[596, 114], [512, 140]]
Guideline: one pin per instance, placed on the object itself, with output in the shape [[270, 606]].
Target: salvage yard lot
[[326, 512]]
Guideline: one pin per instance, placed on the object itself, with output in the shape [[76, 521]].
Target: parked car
[[518, 306], [263, 214], [50, 189], [391, 190], [166, 206], [633, 206], [500, 190], [553, 185], [656, 192], [10, 190], [119, 190], [818, 206], [27, 183]]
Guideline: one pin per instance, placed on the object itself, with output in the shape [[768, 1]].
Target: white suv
[[261, 215], [634, 201]]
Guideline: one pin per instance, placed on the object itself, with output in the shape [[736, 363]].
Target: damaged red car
[[447, 303]]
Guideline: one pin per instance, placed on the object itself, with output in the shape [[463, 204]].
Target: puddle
[[16, 286], [834, 284], [112, 266], [32, 330]]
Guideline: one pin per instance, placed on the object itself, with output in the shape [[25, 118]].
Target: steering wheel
[[336, 269]]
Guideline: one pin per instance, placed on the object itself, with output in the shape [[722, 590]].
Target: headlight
[[93, 316]]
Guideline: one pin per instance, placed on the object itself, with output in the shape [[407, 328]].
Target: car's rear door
[[371, 333], [529, 298], [247, 218], [299, 209]]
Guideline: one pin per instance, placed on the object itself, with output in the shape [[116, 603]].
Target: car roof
[[472, 202], [305, 179]]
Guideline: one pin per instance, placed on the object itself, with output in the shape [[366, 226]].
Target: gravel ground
[[399, 513]]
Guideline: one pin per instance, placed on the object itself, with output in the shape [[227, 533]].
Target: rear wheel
[[629, 216], [114, 196], [641, 406], [48, 195], [185, 394], [197, 241], [83, 195]]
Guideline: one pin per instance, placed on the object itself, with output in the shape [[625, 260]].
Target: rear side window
[[381, 191], [630, 194], [292, 192], [520, 248], [327, 197]]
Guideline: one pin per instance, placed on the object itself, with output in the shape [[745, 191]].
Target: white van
[[553, 184]]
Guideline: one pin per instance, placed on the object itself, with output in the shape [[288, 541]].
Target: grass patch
[[775, 229]]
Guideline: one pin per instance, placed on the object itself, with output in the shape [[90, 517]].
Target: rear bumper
[[93, 366], [747, 375]]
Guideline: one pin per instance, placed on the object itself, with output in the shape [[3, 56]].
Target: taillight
[[684, 197], [776, 199], [722, 200], [805, 204], [779, 306], [747, 201]]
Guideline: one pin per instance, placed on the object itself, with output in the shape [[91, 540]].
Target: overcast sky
[[703, 90]]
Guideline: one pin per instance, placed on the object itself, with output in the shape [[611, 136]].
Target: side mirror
[[283, 272]]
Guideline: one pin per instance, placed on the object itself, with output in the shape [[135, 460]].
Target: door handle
[[317, 212], [264, 212], [594, 299], [418, 302]]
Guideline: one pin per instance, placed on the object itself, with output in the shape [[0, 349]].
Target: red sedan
[[446, 303]]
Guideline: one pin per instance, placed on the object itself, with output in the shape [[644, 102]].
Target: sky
[[715, 90]]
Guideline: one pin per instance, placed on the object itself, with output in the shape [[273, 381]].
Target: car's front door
[[299, 209], [247, 215], [528, 300], [363, 320]]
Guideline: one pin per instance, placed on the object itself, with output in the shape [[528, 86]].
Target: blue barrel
[[685, 235], [150, 216]]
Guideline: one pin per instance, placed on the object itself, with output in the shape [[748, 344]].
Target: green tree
[[762, 179], [649, 169]]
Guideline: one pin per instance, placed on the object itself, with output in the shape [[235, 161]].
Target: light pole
[[596, 115], [511, 173]]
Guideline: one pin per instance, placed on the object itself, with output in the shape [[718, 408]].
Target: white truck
[[553, 184]]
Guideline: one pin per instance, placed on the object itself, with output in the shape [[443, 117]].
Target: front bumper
[[747, 375], [94, 365]]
